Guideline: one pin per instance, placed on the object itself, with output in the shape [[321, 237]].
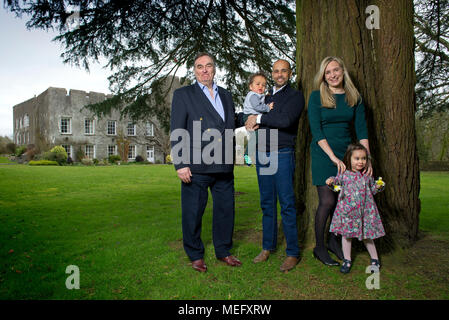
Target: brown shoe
[[231, 261], [289, 263], [199, 265], [263, 256]]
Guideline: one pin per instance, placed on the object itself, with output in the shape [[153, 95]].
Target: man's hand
[[251, 123], [184, 174]]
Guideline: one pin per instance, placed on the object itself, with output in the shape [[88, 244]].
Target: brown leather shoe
[[231, 261], [289, 263], [263, 256], [199, 265]]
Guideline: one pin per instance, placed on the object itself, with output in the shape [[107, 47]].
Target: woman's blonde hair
[[327, 98]]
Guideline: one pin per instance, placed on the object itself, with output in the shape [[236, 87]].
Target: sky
[[30, 62]]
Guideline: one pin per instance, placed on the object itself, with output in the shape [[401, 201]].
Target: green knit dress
[[332, 124]]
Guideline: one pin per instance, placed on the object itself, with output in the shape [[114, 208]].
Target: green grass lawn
[[4, 159], [121, 225]]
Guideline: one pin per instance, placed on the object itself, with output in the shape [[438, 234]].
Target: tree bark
[[381, 65]]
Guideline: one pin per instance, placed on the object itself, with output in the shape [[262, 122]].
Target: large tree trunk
[[381, 64]]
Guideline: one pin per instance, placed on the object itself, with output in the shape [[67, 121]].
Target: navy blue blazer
[[288, 105], [193, 112]]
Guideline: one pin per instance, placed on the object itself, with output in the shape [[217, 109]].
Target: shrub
[[58, 154], [20, 150], [42, 163], [114, 158], [139, 159], [31, 154], [79, 154], [11, 147], [87, 161], [168, 159]]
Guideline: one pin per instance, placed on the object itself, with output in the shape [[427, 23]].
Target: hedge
[[42, 163]]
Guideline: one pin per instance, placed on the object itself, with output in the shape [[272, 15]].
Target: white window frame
[[87, 153], [89, 130], [115, 127], [68, 148], [109, 149], [69, 127], [149, 129], [133, 128], [26, 120], [131, 152]]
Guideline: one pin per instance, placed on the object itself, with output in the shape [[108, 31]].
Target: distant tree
[[145, 41], [432, 56], [4, 141]]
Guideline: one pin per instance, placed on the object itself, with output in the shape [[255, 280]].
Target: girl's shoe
[[375, 265], [346, 266]]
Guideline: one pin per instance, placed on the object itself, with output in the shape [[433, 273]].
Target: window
[[89, 151], [149, 129], [26, 121], [112, 150], [89, 126], [131, 129], [112, 125], [68, 149], [65, 125], [131, 152]]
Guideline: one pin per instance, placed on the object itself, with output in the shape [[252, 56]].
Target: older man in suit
[[202, 125]]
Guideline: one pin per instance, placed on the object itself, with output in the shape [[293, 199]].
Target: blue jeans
[[274, 186]]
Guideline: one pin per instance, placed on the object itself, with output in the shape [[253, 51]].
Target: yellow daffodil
[[380, 182], [337, 187]]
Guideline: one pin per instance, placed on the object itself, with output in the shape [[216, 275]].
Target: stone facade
[[57, 117]]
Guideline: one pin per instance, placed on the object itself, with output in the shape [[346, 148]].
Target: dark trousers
[[194, 200]]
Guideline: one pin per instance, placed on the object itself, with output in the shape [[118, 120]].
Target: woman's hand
[[368, 169], [340, 165], [330, 181]]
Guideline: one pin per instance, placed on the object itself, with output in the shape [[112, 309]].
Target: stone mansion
[[57, 117]]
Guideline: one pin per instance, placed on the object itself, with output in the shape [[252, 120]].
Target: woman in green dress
[[331, 111]]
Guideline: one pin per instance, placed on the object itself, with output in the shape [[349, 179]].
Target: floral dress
[[356, 214]]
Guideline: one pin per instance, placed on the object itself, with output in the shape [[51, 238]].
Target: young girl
[[255, 104], [356, 214]]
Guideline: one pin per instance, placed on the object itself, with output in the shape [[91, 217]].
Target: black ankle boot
[[324, 257]]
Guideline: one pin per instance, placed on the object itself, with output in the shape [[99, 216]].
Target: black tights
[[326, 207]]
